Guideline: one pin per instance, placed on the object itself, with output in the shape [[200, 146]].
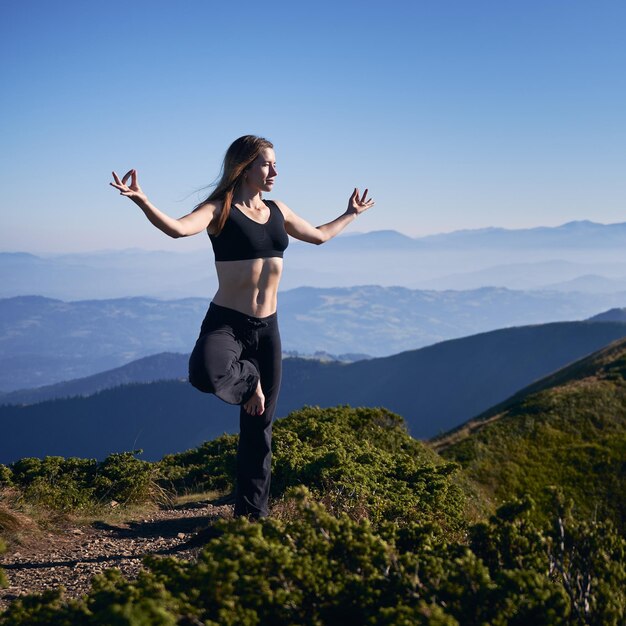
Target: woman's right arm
[[190, 224]]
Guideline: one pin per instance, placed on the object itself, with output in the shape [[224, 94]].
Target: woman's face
[[261, 174]]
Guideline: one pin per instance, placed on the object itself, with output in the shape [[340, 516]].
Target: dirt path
[[71, 556]]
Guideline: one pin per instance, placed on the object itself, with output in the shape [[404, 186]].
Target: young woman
[[237, 356]]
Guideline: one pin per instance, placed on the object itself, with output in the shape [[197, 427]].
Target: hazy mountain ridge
[[548, 275], [459, 260], [45, 341], [434, 389], [107, 274], [575, 234]]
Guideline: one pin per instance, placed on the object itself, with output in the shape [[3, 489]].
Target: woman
[[237, 356]]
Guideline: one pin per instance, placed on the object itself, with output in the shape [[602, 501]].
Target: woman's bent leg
[[254, 455], [216, 366]]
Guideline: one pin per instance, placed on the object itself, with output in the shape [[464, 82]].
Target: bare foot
[[256, 404]]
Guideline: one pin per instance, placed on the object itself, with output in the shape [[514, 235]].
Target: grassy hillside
[[566, 433]]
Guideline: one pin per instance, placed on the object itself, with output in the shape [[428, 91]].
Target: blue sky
[[456, 114]]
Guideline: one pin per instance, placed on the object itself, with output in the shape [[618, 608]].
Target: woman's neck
[[249, 198]]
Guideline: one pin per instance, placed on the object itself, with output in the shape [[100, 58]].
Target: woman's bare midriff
[[249, 286]]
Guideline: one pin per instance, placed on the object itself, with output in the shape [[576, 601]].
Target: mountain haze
[[386, 258], [45, 341]]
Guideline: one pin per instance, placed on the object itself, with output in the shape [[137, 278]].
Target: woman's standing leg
[[254, 455]]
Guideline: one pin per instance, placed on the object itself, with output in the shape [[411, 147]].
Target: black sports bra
[[243, 238]]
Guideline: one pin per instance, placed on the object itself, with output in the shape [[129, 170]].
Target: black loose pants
[[231, 353]]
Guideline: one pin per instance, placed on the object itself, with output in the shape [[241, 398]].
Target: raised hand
[[132, 191], [357, 204]]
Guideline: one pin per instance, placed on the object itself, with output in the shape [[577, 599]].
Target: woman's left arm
[[304, 231]]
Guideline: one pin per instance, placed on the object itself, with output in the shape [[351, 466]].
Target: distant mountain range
[[577, 234], [548, 275], [435, 389], [517, 259], [45, 341]]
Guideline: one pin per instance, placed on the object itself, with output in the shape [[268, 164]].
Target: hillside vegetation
[[515, 518], [566, 433]]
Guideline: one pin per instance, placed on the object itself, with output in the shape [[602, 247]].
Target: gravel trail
[[71, 556]]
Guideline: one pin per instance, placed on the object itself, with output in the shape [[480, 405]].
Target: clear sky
[[456, 113]]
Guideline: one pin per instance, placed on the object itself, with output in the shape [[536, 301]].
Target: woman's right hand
[[132, 191]]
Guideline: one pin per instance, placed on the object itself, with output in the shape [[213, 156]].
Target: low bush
[[209, 467], [320, 569], [3, 578], [362, 461], [359, 461], [370, 527], [72, 484], [126, 479]]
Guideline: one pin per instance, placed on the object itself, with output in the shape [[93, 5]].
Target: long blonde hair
[[239, 156]]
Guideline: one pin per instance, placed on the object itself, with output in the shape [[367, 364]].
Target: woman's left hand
[[357, 204]]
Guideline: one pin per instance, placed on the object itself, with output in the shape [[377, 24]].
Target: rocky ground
[[72, 554]]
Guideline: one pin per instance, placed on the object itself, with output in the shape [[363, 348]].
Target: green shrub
[[126, 479], [364, 461], [3, 578], [210, 467], [320, 569], [56, 482], [5, 476], [73, 484], [360, 461], [391, 544]]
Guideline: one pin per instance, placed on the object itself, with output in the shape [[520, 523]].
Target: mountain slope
[[434, 389], [567, 431], [613, 315], [439, 386], [163, 366]]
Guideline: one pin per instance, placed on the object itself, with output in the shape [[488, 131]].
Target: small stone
[[114, 503], [77, 531], [181, 535]]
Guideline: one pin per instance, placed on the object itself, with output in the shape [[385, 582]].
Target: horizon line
[[341, 235]]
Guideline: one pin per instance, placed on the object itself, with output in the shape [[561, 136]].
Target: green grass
[[569, 437]]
